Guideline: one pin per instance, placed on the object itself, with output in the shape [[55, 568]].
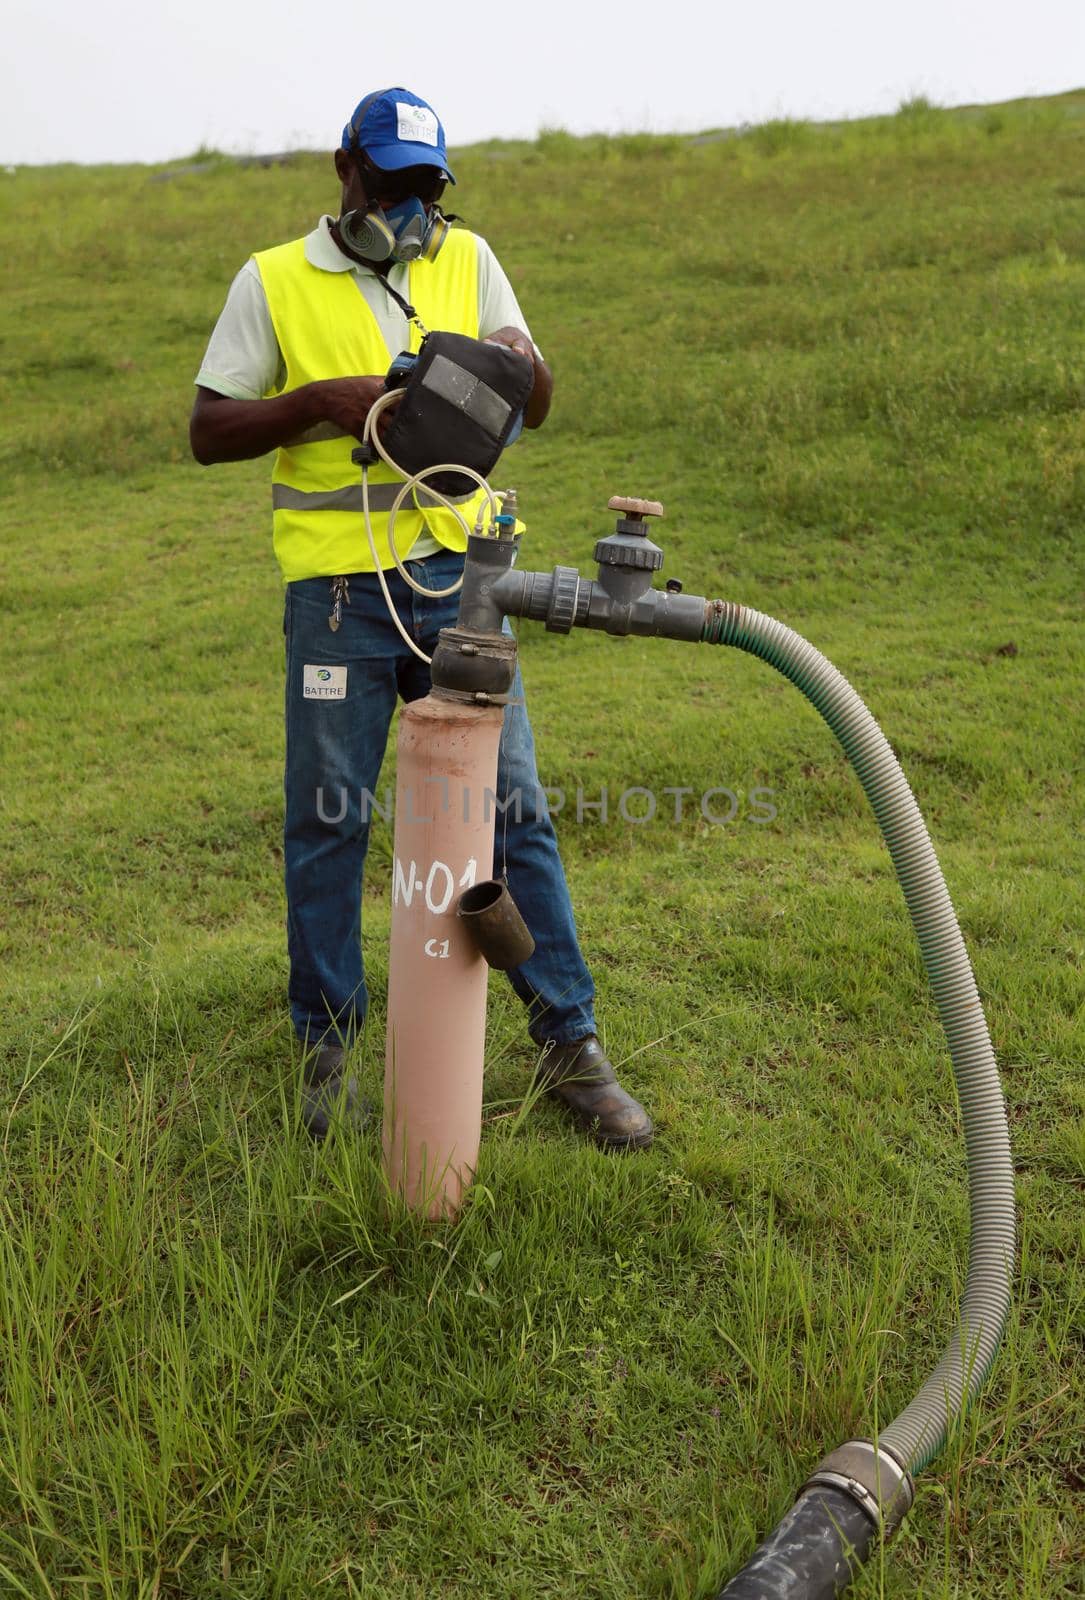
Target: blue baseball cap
[[397, 129]]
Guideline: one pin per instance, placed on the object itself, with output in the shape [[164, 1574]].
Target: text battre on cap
[[397, 129]]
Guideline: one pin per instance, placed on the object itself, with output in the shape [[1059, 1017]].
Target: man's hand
[[538, 402], [224, 429], [345, 402], [516, 339]]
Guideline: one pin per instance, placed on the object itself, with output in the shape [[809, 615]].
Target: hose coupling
[[468, 664], [872, 1477], [721, 618]]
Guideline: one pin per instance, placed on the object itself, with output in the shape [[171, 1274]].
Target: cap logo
[[416, 123]]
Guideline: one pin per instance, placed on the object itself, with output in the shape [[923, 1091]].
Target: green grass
[[848, 359]]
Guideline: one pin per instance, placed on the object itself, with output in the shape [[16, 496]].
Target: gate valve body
[[627, 558]]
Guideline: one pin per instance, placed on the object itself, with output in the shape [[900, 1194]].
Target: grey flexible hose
[[918, 1434]]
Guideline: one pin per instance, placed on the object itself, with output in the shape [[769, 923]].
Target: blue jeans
[[334, 750]]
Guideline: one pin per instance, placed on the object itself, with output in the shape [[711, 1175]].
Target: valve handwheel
[[634, 508]]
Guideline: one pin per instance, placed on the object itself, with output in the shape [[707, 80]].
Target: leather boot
[[327, 1097], [581, 1076]]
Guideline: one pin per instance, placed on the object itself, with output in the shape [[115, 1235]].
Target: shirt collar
[[322, 251]]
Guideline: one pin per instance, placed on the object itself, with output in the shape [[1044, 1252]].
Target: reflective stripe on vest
[[382, 497], [325, 329]]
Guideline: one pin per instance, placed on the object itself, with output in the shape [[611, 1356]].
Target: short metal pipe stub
[[490, 916]]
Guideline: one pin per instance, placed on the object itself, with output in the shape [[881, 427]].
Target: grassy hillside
[[849, 361]]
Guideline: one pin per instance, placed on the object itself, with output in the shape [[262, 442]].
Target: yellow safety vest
[[325, 329]]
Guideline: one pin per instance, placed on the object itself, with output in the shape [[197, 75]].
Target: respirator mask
[[402, 221]]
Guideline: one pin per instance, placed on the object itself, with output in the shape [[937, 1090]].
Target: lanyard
[[404, 305]]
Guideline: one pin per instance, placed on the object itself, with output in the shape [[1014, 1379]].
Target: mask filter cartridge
[[405, 232]]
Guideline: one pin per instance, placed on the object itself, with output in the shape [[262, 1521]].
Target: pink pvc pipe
[[444, 840]]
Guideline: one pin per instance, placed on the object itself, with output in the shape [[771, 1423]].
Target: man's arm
[[230, 422], [224, 429], [538, 401]]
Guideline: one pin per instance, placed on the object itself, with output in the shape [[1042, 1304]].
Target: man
[[294, 364]]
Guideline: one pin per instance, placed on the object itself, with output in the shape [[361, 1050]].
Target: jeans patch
[[324, 683]]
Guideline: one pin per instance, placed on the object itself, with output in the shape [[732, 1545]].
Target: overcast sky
[[117, 80]]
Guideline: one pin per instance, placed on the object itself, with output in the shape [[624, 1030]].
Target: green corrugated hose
[[918, 1434]]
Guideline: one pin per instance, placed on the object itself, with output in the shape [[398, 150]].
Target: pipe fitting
[[469, 662], [873, 1477], [489, 564], [564, 594], [492, 918]]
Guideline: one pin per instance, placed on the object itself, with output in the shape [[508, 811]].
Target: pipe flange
[[564, 594], [873, 1478]]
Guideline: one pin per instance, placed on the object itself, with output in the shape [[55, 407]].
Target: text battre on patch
[[324, 683]]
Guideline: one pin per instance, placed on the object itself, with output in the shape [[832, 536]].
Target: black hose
[[813, 1554]]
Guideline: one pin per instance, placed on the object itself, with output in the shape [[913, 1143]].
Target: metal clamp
[[873, 1478]]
